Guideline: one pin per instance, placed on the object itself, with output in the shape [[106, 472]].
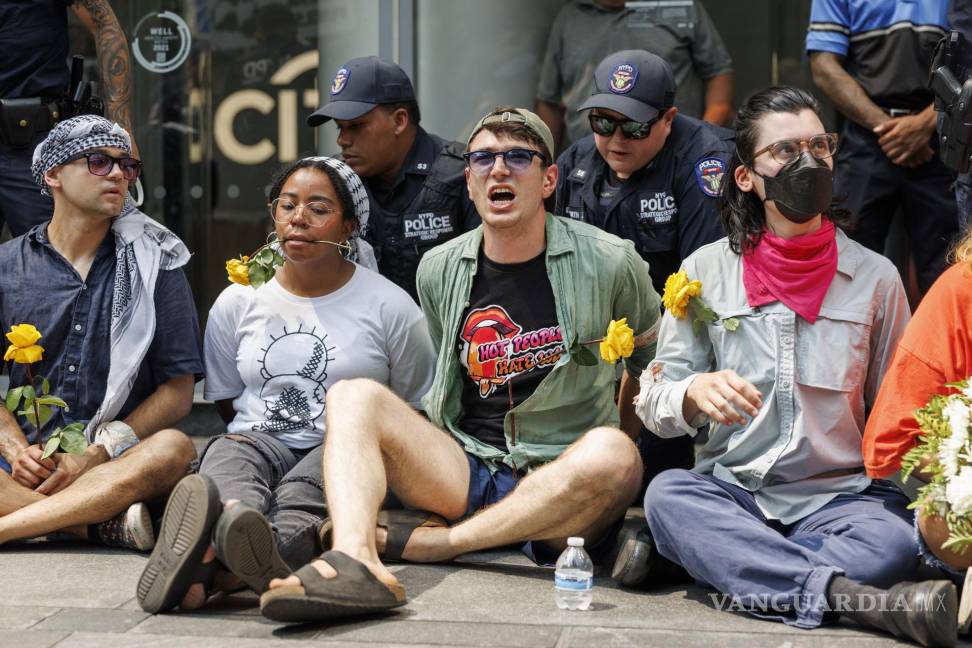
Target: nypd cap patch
[[340, 80], [709, 173]]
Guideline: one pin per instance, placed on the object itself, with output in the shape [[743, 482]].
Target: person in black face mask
[[803, 188], [806, 322]]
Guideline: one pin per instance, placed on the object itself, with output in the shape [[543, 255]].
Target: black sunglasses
[[517, 159], [631, 129], [101, 164]]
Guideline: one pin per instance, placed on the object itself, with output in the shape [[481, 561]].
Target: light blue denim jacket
[[595, 277], [818, 381]]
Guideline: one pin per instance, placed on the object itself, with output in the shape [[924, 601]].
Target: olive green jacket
[[595, 277]]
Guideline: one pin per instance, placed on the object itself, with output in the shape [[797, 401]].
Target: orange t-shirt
[[936, 348]]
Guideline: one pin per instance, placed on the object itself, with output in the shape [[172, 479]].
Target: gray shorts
[[282, 483]]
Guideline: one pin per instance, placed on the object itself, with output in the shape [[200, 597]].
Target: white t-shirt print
[[276, 354]]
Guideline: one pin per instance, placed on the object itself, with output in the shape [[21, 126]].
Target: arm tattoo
[[112, 47]]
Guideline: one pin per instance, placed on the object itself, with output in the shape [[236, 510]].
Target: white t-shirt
[[276, 354]]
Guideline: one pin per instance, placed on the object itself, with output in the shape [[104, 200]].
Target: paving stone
[[207, 624], [93, 620], [22, 617], [69, 574], [101, 640], [641, 638], [446, 633], [31, 638]]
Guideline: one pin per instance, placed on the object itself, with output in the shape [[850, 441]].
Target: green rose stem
[[30, 379]]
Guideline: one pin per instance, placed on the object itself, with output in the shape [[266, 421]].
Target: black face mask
[[802, 189]]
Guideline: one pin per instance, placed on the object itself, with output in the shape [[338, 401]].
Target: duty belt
[[22, 119]]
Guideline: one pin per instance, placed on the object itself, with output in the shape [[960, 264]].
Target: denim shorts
[[486, 488]]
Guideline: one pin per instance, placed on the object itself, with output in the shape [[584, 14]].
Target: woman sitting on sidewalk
[[778, 514], [271, 355]]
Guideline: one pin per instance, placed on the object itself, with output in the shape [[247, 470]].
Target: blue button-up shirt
[[39, 286], [818, 380]]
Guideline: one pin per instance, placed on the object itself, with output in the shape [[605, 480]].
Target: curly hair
[[742, 212], [340, 188]]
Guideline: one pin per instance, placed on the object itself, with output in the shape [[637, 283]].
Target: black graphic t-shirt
[[509, 339]]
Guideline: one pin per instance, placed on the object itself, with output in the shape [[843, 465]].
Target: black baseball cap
[[361, 84], [635, 83]]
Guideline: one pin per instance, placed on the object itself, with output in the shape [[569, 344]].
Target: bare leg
[[15, 496], [581, 493], [379, 442], [375, 440], [148, 470]]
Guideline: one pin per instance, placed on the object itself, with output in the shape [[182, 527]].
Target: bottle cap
[[575, 542]]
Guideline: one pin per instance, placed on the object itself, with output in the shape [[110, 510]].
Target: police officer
[[647, 173], [414, 179], [872, 59], [34, 77]]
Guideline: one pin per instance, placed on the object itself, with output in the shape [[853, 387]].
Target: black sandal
[[176, 562], [245, 544], [353, 591]]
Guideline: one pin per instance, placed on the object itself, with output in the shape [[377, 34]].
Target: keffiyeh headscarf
[[143, 248], [361, 251], [73, 136]]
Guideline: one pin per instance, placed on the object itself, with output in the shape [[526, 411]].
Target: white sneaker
[[131, 529]]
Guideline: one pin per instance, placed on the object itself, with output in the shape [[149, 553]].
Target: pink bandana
[[795, 271]]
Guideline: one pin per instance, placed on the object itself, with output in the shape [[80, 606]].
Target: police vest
[[434, 216]]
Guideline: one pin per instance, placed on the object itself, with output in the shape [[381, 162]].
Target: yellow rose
[[678, 291], [23, 335], [618, 342], [238, 272], [23, 355]]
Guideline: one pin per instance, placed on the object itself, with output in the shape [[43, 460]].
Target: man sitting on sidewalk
[[522, 443], [101, 282]]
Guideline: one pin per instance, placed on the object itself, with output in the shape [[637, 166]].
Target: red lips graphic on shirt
[[494, 350]]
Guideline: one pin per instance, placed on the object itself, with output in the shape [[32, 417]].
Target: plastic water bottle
[[574, 578]]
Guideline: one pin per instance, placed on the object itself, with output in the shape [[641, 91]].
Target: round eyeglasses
[[283, 210], [517, 159], [101, 164], [785, 151]]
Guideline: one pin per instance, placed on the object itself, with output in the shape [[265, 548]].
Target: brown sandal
[[354, 591]]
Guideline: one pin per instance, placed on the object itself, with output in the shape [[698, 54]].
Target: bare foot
[[428, 543]]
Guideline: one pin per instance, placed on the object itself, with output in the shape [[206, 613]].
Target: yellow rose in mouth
[[618, 342], [678, 291], [238, 272]]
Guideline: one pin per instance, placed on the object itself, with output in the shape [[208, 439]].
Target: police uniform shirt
[[888, 46], [33, 49], [667, 208], [679, 31], [425, 206]]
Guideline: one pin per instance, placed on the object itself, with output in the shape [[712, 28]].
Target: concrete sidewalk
[[73, 595]]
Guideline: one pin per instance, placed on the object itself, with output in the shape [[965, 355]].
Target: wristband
[[116, 437]]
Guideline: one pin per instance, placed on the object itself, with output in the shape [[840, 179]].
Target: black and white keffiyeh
[[143, 248], [73, 136], [361, 251]]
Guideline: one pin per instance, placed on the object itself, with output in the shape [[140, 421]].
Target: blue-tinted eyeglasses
[[517, 159]]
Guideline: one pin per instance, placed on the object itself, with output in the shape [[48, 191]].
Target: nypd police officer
[[652, 176], [414, 179], [646, 173]]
